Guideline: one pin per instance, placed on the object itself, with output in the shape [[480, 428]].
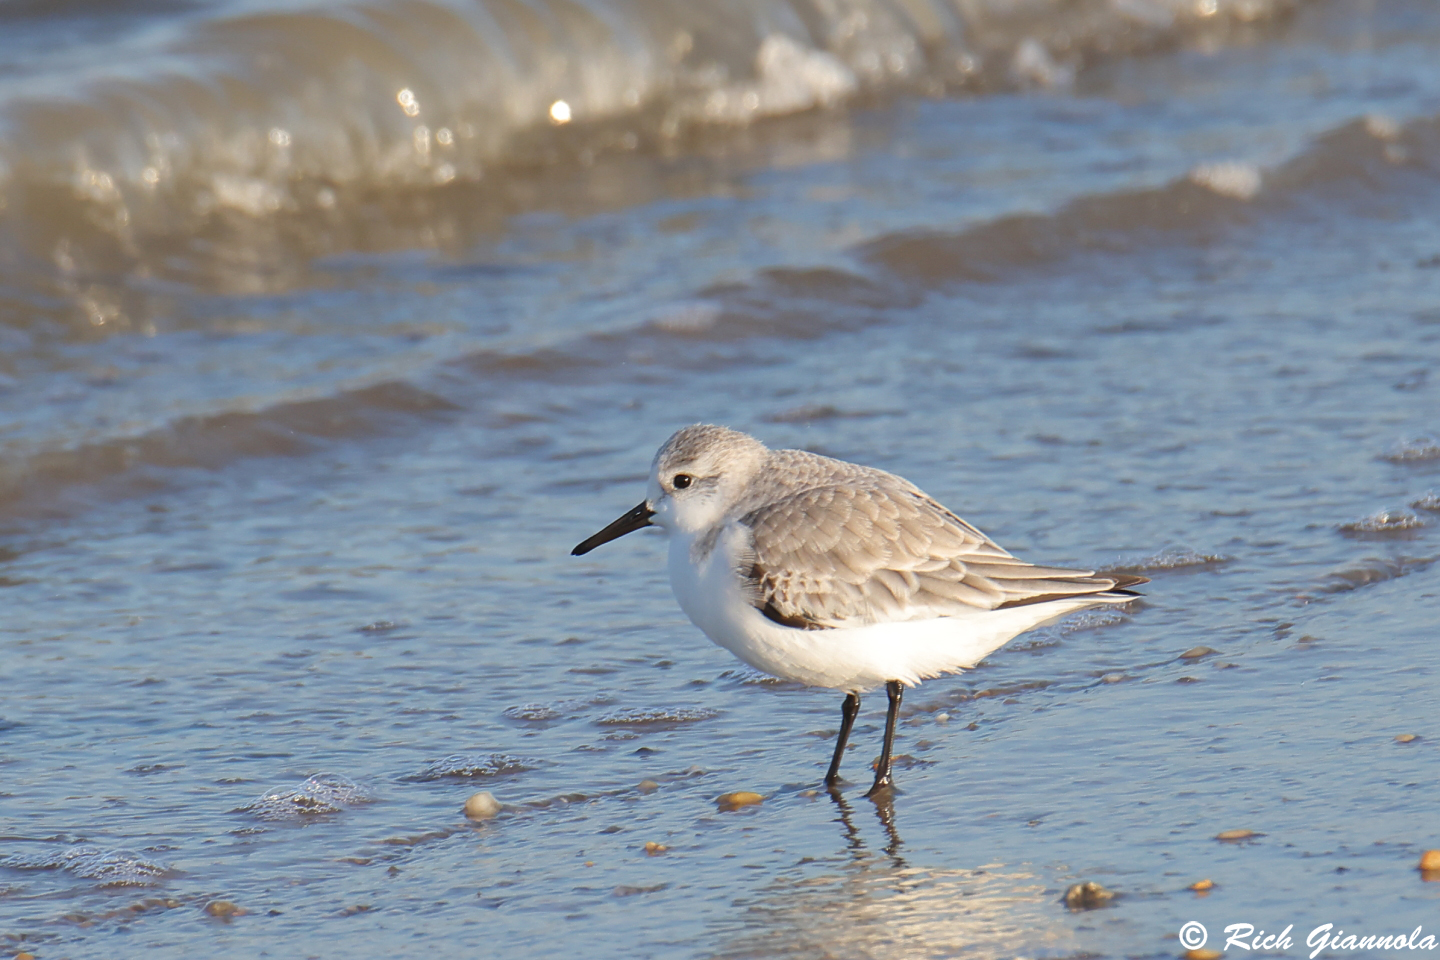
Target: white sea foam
[[321, 794], [1242, 181], [112, 868]]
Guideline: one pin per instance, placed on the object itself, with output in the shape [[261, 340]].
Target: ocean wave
[[1381, 524], [890, 271], [47, 477], [243, 133], [1361, 160]]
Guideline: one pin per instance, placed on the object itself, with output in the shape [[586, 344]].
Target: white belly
[[711, 592]]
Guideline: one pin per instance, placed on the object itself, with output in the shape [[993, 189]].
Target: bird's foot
[[883, 787]]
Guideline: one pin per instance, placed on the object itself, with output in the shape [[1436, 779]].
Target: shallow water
[[286, 535]]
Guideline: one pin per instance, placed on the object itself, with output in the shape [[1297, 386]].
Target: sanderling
[[837, 575]]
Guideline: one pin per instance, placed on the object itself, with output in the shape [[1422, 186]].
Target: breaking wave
[[233, 141]]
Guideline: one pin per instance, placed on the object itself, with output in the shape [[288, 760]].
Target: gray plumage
[[836, 544]]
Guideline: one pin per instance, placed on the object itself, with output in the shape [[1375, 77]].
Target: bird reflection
[[884, 802], [869, 900]]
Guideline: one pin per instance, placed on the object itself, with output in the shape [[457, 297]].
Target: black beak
[[632, 521]]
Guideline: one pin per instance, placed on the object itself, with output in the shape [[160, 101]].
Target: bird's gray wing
[[878, 550]]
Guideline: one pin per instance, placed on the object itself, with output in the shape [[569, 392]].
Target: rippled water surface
[[302, 408]]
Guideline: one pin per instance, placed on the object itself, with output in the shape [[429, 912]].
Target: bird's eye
[[681, 481]]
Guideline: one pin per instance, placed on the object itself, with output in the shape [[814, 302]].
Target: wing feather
[[872, 548]]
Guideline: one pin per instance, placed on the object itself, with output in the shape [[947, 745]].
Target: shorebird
[[838, 575]]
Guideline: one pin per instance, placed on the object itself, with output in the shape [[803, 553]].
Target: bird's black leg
[[848, 710], [882, 769]]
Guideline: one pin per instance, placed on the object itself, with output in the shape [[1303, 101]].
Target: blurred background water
[[326, 329]]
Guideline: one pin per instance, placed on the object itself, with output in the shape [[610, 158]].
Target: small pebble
[[1195, 653], [1112, 678], [1237, 835], [741, 798], [653, 849], [809, 793], [1430, 861], [647, 786], [589, 863], [24, 955], [1087, 896], [1200, 886], [224, 909], [482, 806], [1407, 738], [1201, 953], [942, 718]]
